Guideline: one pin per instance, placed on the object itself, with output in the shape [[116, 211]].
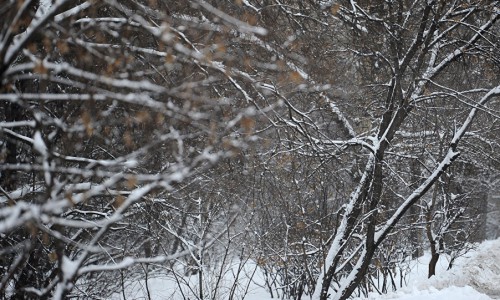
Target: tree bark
[[9, 178]]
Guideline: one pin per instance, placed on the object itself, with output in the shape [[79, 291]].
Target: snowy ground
[[476, 276]]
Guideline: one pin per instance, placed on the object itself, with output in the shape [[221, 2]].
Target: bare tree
[[416, 59], [404, 96], [108, 110]]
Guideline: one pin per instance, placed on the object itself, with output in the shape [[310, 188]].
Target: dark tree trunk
[[432, 265], [8, 180]]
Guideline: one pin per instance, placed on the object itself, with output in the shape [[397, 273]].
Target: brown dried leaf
[[142, 116], [335, 9], [87, 122], [62, 46], [45, 239], [248, 124], [127, 139], [296, 77], [131, 182], [118, 201], [40, 68], [52, 256]]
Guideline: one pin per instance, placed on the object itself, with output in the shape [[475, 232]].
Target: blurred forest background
[[326, 142]]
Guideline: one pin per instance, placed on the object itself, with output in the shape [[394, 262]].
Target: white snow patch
[[38, 144], [69, 267], [247, 283], [473, 276], [452, 293]]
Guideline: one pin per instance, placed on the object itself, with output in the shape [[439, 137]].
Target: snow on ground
[[238, 282], [475, 276], [448, 293]]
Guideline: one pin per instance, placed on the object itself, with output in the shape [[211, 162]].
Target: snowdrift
[[475, 276]]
